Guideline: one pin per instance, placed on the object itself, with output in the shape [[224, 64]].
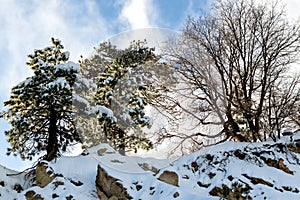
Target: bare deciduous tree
[[236, 62]]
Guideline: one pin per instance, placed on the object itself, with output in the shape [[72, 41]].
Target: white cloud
[[138, 14], [26, 25]]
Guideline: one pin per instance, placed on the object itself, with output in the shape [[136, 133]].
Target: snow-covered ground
[[259, 170]]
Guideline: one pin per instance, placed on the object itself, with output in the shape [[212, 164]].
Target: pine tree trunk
[[105, 133], [122, 145], [52, 146]]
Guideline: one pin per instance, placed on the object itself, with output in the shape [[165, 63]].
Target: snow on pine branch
[[67, 67], [104, 112], [59, 83]]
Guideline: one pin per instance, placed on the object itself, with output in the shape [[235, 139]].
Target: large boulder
[[109, 187], [44, 175], [169, 177]]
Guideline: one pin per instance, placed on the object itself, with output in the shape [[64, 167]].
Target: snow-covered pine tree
[[85, 92], [40, 108], [119, 99]]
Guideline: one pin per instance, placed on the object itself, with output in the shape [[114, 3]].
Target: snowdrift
[[268, 170]]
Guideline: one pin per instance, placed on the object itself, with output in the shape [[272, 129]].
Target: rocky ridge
[[268, 170]]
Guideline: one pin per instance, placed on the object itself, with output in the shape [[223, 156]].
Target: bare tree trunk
[[232, 129]]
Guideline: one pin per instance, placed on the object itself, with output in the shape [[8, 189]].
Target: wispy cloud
[[138, 14]]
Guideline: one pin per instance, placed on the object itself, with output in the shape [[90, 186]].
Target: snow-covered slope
[[10, 183], [230, 170]]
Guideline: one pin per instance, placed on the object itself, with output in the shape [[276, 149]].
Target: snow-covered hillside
[[230, 170]]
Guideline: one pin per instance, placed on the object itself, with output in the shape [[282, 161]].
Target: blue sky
[[81, 25]]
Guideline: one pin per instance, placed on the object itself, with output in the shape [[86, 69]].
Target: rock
[[109, 187], [283, 167], [294, 147], [114, 198], [85, 153], [185, 177], [230, 178], [18, 188], [78, 183], [176, 194], [54, 196], [146, 167], [277, 164], [70, 197], [287, 188], [239, 154], [169, 177], [2, 183], [117, 161], [229, 193], [139, 187], [256, 181], [58, 183], [195, 166], [296, 190], [101, 195], [31, 195], [286, 132], [211, 175], [101, 151], [279, 189], [217, 191], [203, 185], [43, 176]]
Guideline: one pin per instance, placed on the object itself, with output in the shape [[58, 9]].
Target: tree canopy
[[118, 100], [40, 108]]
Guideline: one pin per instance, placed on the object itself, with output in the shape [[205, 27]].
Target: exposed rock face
[[227, 193], [43, 176], [109, 187], [278, 164], [256, 181], [169, 177]]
